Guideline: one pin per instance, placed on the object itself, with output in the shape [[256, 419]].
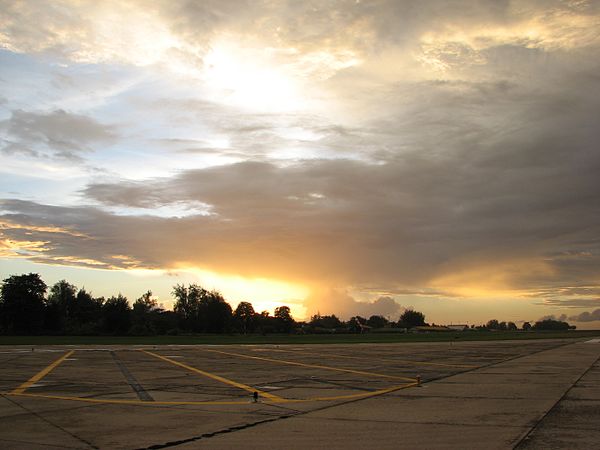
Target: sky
[[347, 157]]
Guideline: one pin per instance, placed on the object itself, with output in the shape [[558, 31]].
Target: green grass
[[295, 339]]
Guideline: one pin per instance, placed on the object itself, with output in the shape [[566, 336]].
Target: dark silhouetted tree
[[265, 322], [411, 318], [493, 325], [284, 322], [201, 310], [116, 315], [144, 314], [526, 326], [325, 323], [218, 313], [87, 316], [377, 322], [22, 304], [187, 306], [60, 306], [550, 324], [244, 317], [511, 326]]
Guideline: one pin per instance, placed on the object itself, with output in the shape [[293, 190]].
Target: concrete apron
[[496, 407]]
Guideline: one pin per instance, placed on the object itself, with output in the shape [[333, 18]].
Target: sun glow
[[250, 78], [263, 293]]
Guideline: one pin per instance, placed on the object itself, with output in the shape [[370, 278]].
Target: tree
[[411, 318], [511, 326], [201, 310], [550, 324], [377, 321], [143, 314], [187, 305], [244, 317], [493, 325], [116, 315], [60, 306], [87, 316], [526, 326], [325, 323], [22, 304], [265, 322], [217, 314], [284, 322]]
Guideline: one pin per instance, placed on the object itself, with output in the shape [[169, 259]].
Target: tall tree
[[60, 306], [143, 314], [284, 322], [22, 304], [218, 313], [244, 317], [187, 306], [87, 313], [116, 315], [201, 310]]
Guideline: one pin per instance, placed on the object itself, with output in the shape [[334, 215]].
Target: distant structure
[[458, 327]]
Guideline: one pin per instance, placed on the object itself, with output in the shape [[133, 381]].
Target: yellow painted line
[[37, 377], [245, 387], [313, 366], [213, 402], [404, 361], [133, 402]]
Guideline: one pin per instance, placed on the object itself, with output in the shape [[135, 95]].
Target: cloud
[[587, 316], [561, 318], [340, 303], [57, 133], [445, 149]]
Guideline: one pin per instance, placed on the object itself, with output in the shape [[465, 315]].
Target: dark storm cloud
[[587, 316], [58, 133]]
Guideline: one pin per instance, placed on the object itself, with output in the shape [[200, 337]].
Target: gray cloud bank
[[587, 316], [56, 133]]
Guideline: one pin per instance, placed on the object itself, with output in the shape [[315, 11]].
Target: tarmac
[[538, 394]]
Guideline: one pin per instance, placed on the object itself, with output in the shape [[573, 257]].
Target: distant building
[[458, 327]]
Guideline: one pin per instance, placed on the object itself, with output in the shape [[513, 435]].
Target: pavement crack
[[43, 419], [214, 433]]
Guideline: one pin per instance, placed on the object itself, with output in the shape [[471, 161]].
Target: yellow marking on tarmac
[[214, 402], [37, 377], [245, 387], [314, 366], [416, 363]]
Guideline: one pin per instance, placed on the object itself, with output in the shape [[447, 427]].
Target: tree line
[[28, 307]]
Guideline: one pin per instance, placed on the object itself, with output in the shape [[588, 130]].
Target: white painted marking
[[271, 388], [593, 341]]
